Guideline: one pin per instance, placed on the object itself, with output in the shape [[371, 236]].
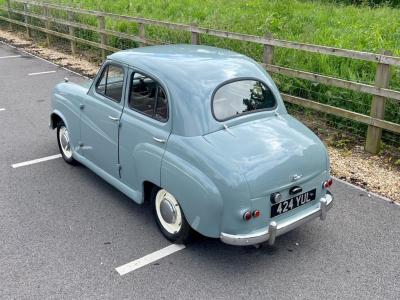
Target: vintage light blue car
[[204, 135]]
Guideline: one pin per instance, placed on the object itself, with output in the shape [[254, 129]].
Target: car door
[[101, 116], [145, 128]]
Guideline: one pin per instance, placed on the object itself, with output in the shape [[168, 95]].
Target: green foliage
[[360, 28]]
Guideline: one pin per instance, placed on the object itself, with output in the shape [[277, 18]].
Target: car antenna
[[228, 130]]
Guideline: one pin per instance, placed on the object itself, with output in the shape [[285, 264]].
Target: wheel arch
[[73, 127], [55, 118], [148, 190]]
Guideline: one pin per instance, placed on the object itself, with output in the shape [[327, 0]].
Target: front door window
[[111, 82]]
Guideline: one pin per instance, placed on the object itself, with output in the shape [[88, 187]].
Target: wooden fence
[[379, 90]]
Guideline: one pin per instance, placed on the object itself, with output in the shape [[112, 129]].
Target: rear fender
[[199, 198]]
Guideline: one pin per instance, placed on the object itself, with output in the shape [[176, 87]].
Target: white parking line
[[148, 259], [42, 59], [35, 161], [40, 73], [10, 56], [1, 109]]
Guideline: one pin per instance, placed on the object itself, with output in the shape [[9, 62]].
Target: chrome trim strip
[[276, 229], [159, 140]]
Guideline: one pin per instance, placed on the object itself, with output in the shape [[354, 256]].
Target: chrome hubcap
[[168, 211], [63, 136]]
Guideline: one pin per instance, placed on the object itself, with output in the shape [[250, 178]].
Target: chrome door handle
[[159, 140], [113, 118]]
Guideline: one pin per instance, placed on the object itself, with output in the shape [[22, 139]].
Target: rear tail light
[[247, 216], [327, 183]]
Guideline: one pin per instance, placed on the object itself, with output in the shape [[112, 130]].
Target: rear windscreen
[[241, 97]]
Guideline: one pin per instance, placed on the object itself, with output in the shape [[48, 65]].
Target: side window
[[148, 97], [111, 82], [161, 111]]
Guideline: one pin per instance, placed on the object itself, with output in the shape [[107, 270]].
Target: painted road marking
[[10, 56], [42, 59], [148, 259], [1, 109], [35, 161], [40, 73]]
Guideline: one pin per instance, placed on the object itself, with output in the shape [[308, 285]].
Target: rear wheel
[[170, 218], [64, 143]]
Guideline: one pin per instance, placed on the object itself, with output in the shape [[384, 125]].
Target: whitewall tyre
[[170, 218], [64, 145]]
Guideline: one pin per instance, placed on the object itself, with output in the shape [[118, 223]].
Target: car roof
[[197, 62], [191, 73]]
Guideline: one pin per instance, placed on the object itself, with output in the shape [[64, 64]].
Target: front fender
[[56, 115], [65, 104], [71, 121]]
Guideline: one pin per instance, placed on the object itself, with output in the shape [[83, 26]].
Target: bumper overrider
[[276, 229]]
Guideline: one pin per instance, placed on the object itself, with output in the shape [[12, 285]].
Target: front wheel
[[170, 218], [64, 143]]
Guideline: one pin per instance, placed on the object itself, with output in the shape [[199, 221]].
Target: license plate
[[292, 203]]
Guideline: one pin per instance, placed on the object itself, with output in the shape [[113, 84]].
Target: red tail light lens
[[256, 214], [247, 216], [327, 183]]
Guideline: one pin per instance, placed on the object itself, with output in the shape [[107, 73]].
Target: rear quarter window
[[240, 97], [148, 97]]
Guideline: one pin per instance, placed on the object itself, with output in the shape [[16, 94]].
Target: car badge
[[296, 177]]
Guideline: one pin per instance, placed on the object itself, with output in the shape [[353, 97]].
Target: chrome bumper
[[276, 229]]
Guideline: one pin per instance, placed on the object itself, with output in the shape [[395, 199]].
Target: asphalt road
[[63, 230]]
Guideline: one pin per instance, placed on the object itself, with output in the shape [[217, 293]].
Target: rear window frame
[[219, 86]]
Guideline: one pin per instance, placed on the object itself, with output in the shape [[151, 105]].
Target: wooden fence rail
[[379, 90]]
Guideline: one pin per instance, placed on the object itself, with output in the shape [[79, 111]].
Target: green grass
[[353, 27], [319, 22]]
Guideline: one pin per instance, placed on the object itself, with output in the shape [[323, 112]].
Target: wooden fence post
[[26, 10], [103, 37], [268, 55], [374, 134], [47, 24], [9, 13], [141, 34], [71, 30], [195, 36]]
